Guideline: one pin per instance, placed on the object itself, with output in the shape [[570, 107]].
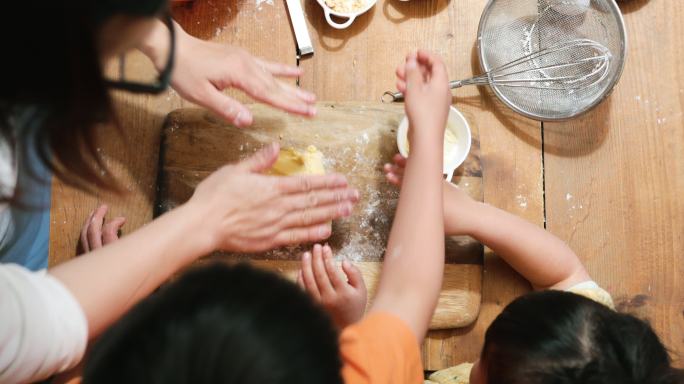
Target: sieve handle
[[391, 97]]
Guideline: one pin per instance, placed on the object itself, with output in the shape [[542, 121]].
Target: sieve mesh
[[510, 29]]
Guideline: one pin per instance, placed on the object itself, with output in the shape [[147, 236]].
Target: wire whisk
[[566, 66]]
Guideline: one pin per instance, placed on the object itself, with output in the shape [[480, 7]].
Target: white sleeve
[[43, 329]]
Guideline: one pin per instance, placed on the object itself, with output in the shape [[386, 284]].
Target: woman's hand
[[247, 211], [458, 205], [424, 82], [97, 232], [341, 291], [204, 69]]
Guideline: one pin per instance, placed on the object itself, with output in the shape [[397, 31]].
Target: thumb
[[262, 160], [414, 76], [353, 274], [226, 107]]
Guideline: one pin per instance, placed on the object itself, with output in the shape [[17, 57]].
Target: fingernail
[[345, 210], [306, 257], [411, 63], [355, 195], [346, 263], [324, 232], [312, 111], [242, 118]]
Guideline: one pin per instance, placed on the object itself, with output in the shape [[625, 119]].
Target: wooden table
[[609, 183]]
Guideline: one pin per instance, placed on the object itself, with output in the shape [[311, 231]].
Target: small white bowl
[[351, 16], [457, 140]]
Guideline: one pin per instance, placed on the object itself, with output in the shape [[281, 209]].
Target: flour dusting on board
[[363, 235]]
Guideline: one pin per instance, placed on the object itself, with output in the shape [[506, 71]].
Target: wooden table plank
[[262, 30], [359, 63], [615, 178]]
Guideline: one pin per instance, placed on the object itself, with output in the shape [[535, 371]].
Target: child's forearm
[[414, 261], [542, 258]]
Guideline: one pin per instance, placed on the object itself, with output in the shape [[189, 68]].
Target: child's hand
[[98, 232], [343, 297], [457, 204], [424, 82]]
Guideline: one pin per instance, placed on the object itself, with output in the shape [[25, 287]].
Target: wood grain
[[615, 178], [356, 140]]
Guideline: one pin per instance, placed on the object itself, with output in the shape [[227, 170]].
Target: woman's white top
[[43, 329]]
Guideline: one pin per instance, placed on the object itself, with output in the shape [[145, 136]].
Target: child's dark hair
[[220, 324], [555, 337]]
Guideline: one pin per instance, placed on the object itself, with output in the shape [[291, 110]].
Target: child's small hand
[[424, 82], [98, 232], [344, 298], [457, 203]]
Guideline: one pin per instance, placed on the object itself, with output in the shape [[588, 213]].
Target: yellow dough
[[292, 162]]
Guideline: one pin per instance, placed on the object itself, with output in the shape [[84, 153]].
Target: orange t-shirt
[[380, 349]]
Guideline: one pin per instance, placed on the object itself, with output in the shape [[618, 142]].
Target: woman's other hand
[[203, 69], [247, 211]]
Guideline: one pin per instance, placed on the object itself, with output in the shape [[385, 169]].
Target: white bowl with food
[[344, 9], [457, 140]]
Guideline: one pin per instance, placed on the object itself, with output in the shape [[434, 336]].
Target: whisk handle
[[391, 97], [453, 84]]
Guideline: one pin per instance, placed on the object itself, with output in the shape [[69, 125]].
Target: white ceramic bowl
[[457, 140], [351, 16]]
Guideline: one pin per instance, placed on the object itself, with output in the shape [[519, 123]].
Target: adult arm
[[236, 208], [412, 271]]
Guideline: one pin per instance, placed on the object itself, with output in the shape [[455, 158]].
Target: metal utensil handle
[[391, 97]]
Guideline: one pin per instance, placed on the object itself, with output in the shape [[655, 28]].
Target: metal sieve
[[511, 29]]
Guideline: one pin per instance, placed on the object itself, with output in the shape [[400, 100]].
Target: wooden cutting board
[[356, 140]]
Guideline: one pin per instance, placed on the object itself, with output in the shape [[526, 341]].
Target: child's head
[[555, 337], [220, 324]]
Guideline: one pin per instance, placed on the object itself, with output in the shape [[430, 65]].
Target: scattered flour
[[521, 200]]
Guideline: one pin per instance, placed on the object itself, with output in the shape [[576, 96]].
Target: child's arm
[[542, 258], [412, 271]]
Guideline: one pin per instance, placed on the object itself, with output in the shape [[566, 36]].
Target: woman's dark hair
[[52, 66], [220, 324], [555, 337]]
